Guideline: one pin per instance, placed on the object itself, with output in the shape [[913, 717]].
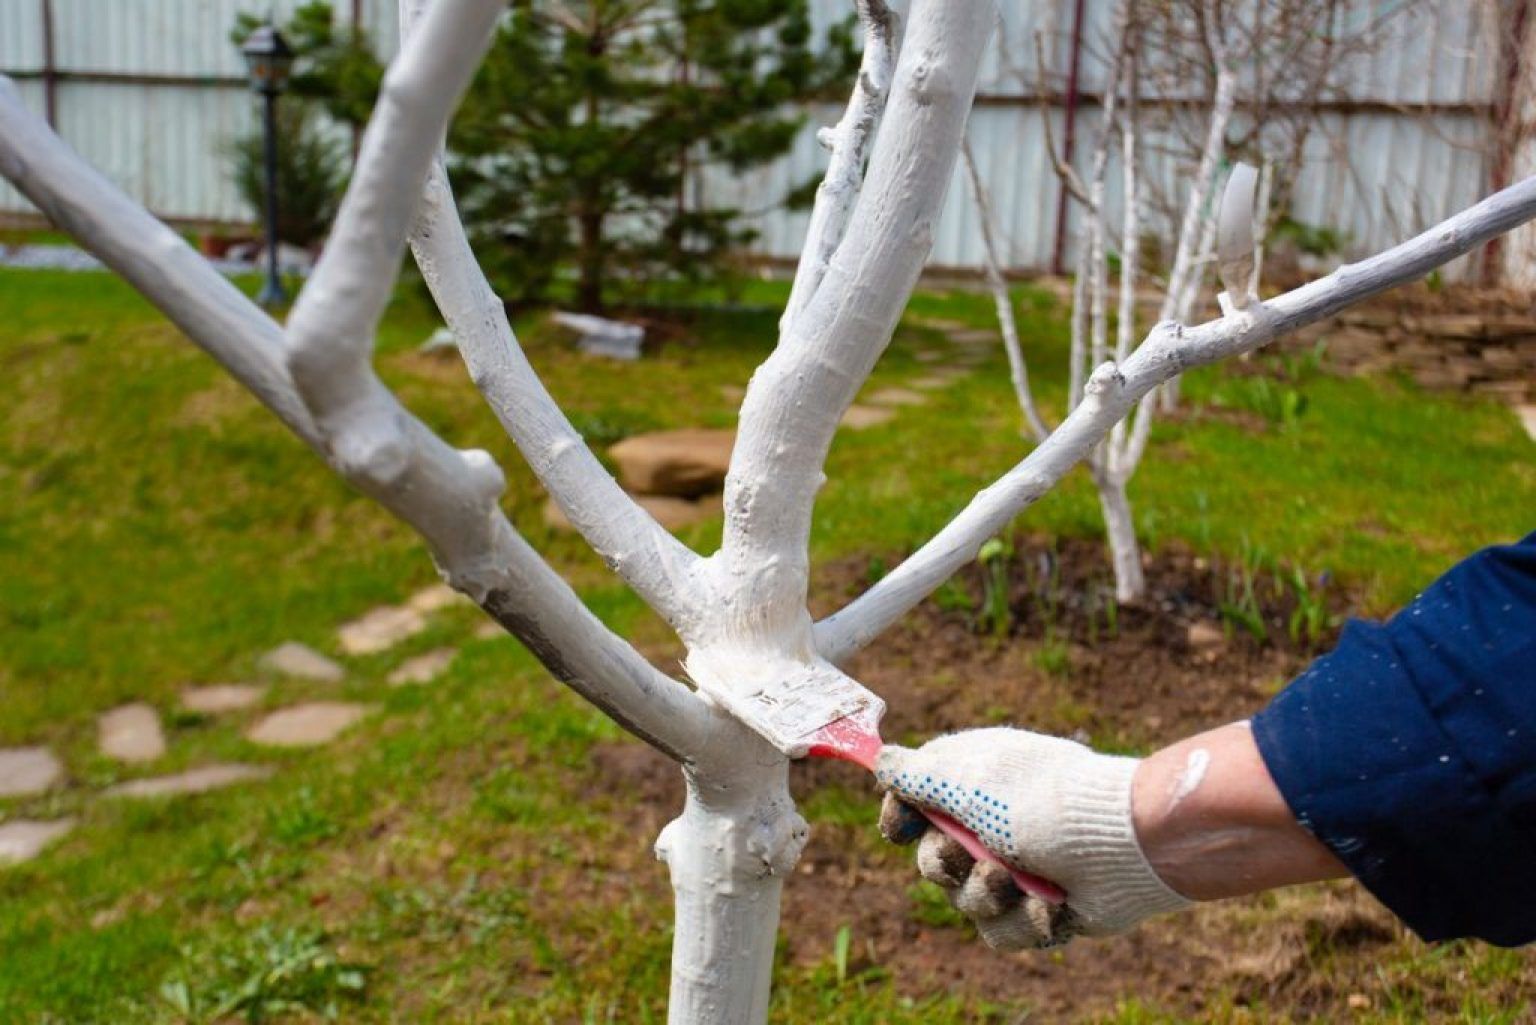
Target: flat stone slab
[[862, 418], [431, 599], [490, 630], [301, 661], [380, 629], [131, 733], [193, 781], [934, 382], [1527, 415], [733, 393], [24, 839], [671, 513], [976, 336], [222, 697], [422, 668], [676, 513], [896, 397], [307, 725], [679, 464], [929, 356], [28, 770], [940, 324]]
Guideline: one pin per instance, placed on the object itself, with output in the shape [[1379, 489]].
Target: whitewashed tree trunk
[[1120, 533], [728, 854], [741, 612]]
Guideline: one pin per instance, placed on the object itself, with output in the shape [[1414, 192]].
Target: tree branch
[[1168, 351], [470, 538], [1017, 367], [663, 571], [849, 142], [798, 395]]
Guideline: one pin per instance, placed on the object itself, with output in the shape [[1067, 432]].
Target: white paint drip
[[1188, 781]]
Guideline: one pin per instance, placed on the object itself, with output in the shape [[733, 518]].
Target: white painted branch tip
[[1236, 247]]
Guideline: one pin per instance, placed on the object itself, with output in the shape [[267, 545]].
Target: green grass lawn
[[157, 528]]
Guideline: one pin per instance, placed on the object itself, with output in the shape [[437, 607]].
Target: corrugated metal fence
[[149, 91]]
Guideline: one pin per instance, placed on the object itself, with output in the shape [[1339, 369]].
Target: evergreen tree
[[578, 142]]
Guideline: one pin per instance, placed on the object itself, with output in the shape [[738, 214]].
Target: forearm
[[1213, 824]]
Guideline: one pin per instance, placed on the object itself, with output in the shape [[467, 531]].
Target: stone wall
[[1459, 340]]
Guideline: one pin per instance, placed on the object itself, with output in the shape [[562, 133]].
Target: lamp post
[[268, 61]]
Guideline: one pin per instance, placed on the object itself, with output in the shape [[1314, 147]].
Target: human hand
[[1048, 806]]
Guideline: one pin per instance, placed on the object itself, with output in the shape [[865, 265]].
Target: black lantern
[[268, 60]]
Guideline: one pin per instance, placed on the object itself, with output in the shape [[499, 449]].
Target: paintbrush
[[811, 709]]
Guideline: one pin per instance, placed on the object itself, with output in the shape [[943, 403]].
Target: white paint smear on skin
[[1190, 779]]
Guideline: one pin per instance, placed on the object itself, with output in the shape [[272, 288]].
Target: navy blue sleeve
[[1410, 751]]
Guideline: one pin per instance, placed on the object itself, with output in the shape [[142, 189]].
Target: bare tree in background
[[1193, 84]]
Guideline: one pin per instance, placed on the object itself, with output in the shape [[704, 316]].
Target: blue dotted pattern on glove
[[980, 812]]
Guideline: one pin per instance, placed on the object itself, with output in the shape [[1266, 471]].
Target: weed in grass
[[1054, 654], [1280, 405], [1301, 367], [1239, 605], [265, 975], [301, 822], [1045, 585], [1102, 604], [840, 948], [1310, 620], [996, 616]]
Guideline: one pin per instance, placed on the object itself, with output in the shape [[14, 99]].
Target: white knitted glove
[[1045, 805]]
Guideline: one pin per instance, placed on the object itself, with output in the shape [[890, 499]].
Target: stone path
[[301, 662], [134, 733], [436, 597], [24, 839], [131, 734], [25, 771], [970, 348], [193, 781], [422, 668], [380, 629], [862, 418], [308, 725], [935, 382], [222, 697], [897, 397]]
